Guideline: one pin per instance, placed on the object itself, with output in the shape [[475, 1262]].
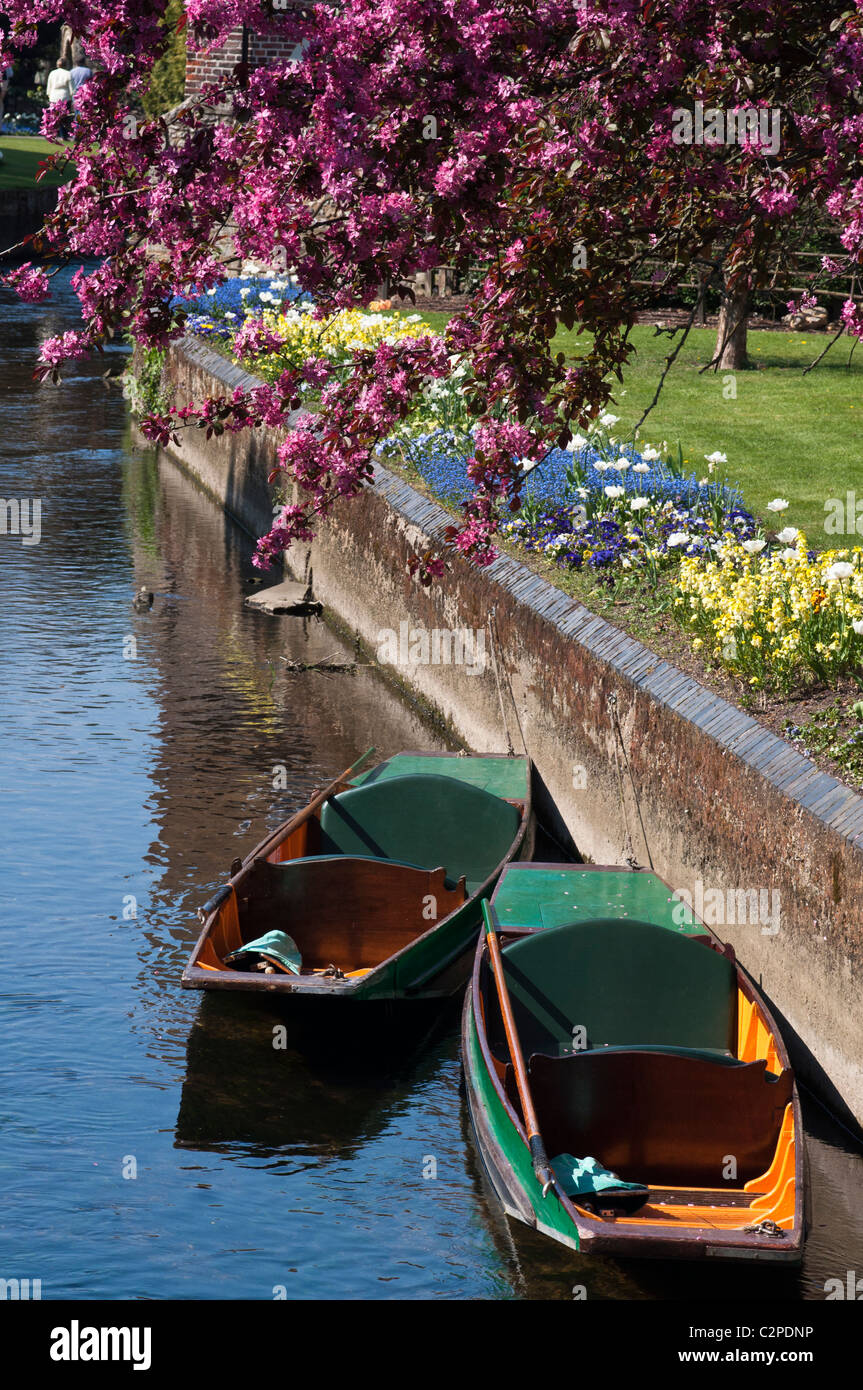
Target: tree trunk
[[731, 334], [701, 307], [66, 41]]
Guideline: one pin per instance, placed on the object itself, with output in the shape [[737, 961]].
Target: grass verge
[[22, 155]]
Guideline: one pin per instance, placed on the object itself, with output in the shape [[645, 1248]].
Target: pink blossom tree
[[540, 139]]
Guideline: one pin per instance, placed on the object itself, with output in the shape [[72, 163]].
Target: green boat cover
[[539, 895], [506, 777], [428, 820], [624, 983], [275, 946], [584, 1177]]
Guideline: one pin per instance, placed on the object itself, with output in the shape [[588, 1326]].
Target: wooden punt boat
[[378, 882], [636, 1041]]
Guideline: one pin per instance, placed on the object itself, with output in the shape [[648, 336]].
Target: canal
[[153, 1144]]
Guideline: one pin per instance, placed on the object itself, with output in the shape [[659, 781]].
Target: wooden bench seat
[[350, 912], [661, 1117]]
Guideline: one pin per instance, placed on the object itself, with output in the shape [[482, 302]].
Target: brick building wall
[[208, 67]]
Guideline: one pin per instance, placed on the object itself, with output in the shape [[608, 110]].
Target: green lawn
[[785, 434], [22, 155]]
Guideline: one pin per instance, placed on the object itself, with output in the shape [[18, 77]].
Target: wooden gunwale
[[473, 995], [496, 1166]]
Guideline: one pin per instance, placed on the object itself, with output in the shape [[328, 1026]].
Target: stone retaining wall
[[22, 211]]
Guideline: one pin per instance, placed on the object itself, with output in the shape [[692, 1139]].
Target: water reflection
[[259, 1081]]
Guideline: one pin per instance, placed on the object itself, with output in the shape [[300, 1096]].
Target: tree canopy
[[544, 141]]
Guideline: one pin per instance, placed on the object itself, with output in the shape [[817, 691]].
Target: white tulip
[[841, 570]]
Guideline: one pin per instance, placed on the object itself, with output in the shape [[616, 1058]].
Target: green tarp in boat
[[275, 947], [585, 1177]]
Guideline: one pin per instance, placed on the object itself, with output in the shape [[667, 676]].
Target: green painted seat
[[703, 1054], [628, 984], [429, 820]]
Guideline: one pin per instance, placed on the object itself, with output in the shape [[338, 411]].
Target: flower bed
[[596, 505], [275, 341], [220, 312], [266, 324], [835, 732], [776, 614], [763, 606]]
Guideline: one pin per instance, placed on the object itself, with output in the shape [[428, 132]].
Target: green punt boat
[[628, 1089], [373, 890]]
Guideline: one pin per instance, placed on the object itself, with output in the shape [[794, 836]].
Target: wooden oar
[[281, 834], [539, 1157], [283, 831], [343, 777]]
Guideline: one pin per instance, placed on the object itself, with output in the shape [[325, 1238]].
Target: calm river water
[[128, 785]]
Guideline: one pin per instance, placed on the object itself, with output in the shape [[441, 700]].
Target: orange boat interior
[[687, 1096]]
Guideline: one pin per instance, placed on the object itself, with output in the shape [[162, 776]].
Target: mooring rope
[[496, 642], [509, 682], [617, 735], [509, 748]]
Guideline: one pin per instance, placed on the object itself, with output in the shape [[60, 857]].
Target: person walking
[[59, 88], [80, 73]]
